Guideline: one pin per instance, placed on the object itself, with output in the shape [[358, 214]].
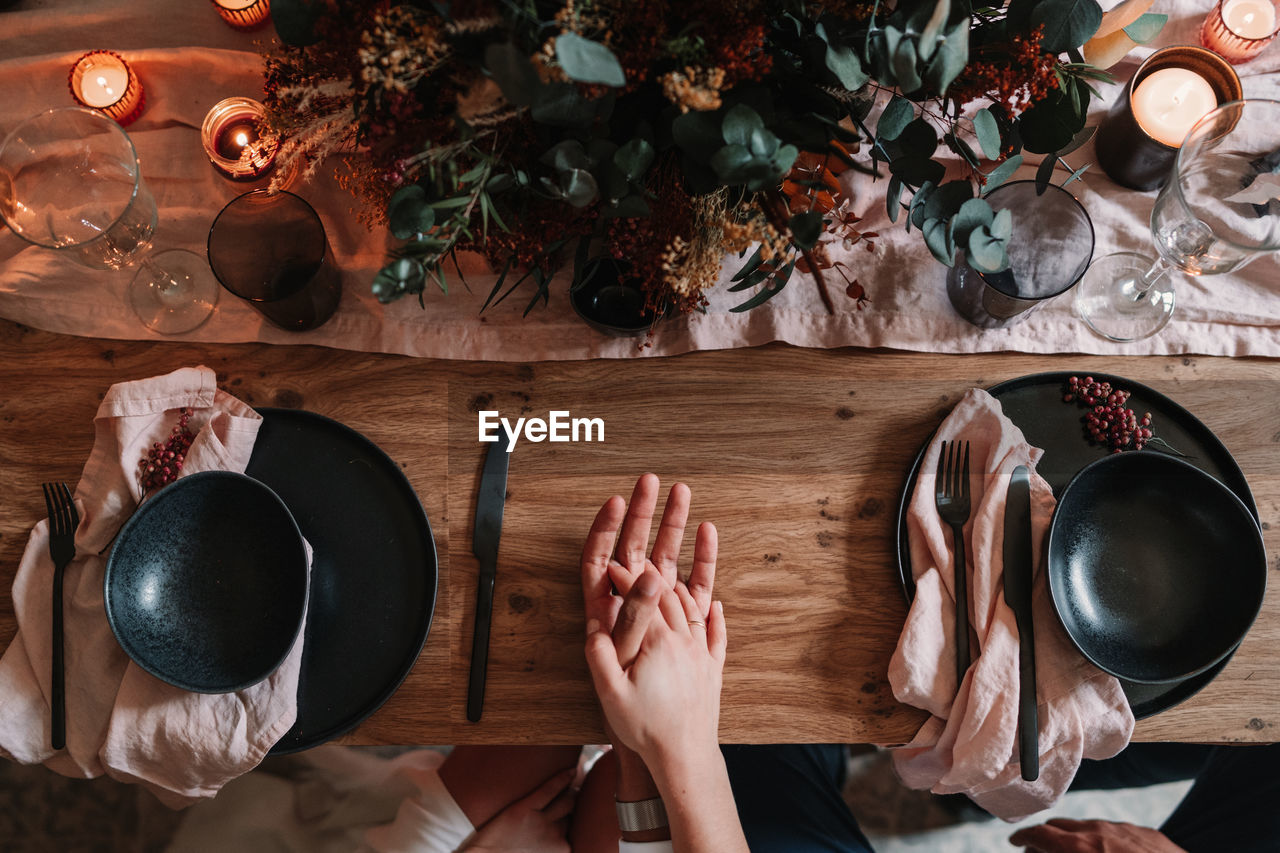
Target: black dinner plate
[[1034, 404], [373, 573]]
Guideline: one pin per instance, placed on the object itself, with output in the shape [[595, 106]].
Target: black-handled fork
[[63, 521], [952, 501]]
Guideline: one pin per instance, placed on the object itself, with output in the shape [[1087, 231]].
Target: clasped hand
[[655, 644]]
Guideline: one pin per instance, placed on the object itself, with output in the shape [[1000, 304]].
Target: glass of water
[[1219, 210], [70, 181]]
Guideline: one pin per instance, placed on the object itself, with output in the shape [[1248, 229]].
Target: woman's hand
[[534, 824], [1092, 836]]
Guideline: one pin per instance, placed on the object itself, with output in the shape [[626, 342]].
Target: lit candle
[[1238, 30], [104, 81], [1169, 102], [1250, 19], [235, 140], [243, 14]]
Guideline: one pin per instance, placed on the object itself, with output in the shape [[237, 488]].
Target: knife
[[484, 544], [1018, 571]]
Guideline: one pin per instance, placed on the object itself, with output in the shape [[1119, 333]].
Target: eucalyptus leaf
[[401, 276], [763, 143], [698, 134], [1067, 23], [566, 155], [915, 211], [988, 133], [579, 187], [904, 66], [935, 237], [738, 125], [1075, 176], [891, 198], [1047, 125], [1001, 173], [919, 138], [950, 58], [729, 160], [513, 73], [408, 213], [634, 158], [806, 228], [1146, 28], [1044, 174], [1002, 224], [986, 252], [932, 27], [588, 61], [898, 113], [974, 213], [843, 62], [945, 201]]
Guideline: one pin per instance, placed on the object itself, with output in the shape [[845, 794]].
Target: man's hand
[[1061, 835], [535, 824]]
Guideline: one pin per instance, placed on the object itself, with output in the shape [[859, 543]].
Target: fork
[[63, 521], [952, 501]]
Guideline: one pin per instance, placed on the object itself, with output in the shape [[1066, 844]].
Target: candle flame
[[242, 138]]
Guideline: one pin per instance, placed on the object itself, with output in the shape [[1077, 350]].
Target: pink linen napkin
[[969, 744], [121, 720]]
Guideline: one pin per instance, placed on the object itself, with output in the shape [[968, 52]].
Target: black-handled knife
[[1019, 569], [484, 544]]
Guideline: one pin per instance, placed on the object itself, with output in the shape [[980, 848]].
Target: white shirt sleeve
[[645, 847]]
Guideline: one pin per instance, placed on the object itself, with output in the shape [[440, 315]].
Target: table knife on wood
[[1019, 569], [484, 544]]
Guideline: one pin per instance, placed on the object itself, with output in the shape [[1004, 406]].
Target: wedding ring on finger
[[697, 622]]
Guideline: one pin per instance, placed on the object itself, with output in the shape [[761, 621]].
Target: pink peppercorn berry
[[1109, 421], [163, 462]]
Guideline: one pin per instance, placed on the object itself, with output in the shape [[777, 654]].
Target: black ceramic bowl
[[1156, 569], [206, 585]]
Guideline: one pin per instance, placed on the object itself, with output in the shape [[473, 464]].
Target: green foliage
[[587, 61], [1146, 27], [1067, 23]]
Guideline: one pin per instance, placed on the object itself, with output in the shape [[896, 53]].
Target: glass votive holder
[[101, 80], [1137, 140], [1051, 247], [1238, 30], [243, 14], [237, 140]]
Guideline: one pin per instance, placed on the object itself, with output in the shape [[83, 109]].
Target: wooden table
[[798, 456]]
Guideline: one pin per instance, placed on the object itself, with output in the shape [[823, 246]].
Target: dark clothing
[[789, 798]]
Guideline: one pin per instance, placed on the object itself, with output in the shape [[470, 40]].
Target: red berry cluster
[[163, 462], [1109, 421]]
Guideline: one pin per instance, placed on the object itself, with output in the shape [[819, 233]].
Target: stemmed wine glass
[[70, 181], [1219, 210]]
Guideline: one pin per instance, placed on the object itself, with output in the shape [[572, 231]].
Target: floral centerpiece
[[557, 134]]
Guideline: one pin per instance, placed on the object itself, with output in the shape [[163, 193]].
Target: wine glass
[[70, 181], [1219, 210]]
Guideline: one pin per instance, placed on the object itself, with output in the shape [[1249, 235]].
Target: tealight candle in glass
[[243, 14], [1238, 30], [103, 81], [237, 140]]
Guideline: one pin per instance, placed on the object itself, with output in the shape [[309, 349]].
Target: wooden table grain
[[797, 455]]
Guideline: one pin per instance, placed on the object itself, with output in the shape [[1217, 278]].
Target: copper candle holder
[[1130, 155], [1238, 30], [101, 80], [237, 140], [243, 14]]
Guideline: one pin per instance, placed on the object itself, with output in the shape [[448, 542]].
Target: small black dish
[[1156, 569], [206, 585], [611, 303]]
